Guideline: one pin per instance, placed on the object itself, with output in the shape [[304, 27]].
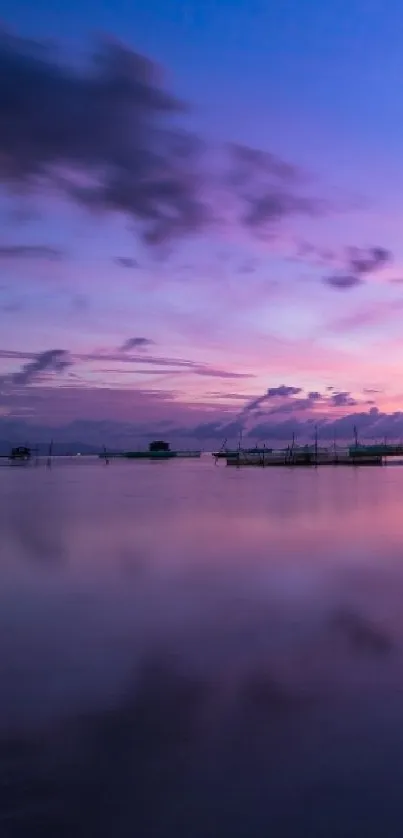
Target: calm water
[[193, 651]]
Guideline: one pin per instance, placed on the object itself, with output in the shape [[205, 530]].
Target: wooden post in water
[[239, 446], [316, 445], [221, 449], [292, 449], [49, 460]]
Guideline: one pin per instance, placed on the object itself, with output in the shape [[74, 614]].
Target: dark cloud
[[127, 262], [360, 263], [313, 254], [287, 404], [107, 134], [248, 267], [100, 133], [13, 307], [30, 251], [271, 207], [283, 391], [246, 163], [342, 399], [343, 281], [52, 360], [267, 187], [294, 405], [287, 407], [136, 343], [366, 261], [80, 303]]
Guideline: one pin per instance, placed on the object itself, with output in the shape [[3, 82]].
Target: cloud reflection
[[211, 692]]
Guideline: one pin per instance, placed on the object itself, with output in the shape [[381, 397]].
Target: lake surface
[[193, 651]]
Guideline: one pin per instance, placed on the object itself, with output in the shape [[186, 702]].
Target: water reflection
[[191, 650]]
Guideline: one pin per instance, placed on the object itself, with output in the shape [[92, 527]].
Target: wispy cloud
[[343, 281], [30, 251], [166, 365], [126, 262], [213, 372], [13, 307], [52, 360], [372, 315]]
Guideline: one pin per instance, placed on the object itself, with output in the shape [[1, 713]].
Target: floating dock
[[157, 450], [224, 453], [305, 457]]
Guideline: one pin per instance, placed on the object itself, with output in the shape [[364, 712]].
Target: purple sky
[[201, 203]]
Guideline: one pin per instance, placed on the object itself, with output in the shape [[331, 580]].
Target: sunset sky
[[202, 207]]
